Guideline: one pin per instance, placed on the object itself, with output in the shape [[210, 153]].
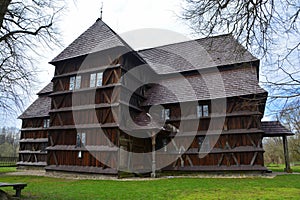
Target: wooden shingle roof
[[41, 106], [275, 129], [237, 82], [46, 90], [197, 54], [97, 38]]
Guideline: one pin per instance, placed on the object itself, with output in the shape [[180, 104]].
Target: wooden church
[[92, 119]]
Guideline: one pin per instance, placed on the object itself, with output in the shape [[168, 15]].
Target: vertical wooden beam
[[286, 155], [153, 137]]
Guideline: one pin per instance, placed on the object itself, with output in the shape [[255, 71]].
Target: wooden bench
[[17, 186]]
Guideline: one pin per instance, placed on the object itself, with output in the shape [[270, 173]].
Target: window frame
[[203, 109], [72, 80], [46, 123], [97, 81], [80, 139], [75, 82], [165, 114]]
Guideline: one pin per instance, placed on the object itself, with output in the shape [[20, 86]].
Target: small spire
[[101, 12]]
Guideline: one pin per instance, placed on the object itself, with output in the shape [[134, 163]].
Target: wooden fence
[[8, 161]]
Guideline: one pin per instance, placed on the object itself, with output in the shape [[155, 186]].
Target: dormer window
[[165, 114], [96, 79], [202, 111]]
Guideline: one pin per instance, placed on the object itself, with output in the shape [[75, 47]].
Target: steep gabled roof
[[97, 38], [39, 108], [46, 90], [237, 82], [196, 54]]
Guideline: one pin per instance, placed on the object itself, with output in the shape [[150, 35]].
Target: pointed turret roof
[[97, 38]]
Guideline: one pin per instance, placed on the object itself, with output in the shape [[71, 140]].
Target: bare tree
[[290, 117], [268, 28], [25, 26]]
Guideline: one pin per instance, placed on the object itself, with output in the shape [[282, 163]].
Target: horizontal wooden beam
[[87, 71], [34, 129], [241, 149], [85, 89], [224, 132], [37, 164], [215, 168], [84, 126], [31, 140], [32, 152], [101, 148], [81, 169]]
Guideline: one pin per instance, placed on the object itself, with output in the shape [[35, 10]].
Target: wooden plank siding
[[239, 147], [33, 143], [87, 107]]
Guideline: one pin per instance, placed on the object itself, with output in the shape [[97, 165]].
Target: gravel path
[[102, 177]]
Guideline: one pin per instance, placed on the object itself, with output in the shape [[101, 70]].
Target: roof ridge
[[98, 31]]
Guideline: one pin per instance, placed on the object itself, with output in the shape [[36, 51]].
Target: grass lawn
[[280, 167], [280, 187], [7, 169]]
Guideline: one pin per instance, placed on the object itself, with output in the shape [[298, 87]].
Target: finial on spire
[[101, 12]]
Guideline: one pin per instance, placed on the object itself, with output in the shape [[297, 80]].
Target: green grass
[[280, 187], [280, 167], [7, 169]]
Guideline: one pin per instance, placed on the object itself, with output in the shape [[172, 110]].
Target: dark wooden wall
[[33, 143], [90, 111], [239, 146]]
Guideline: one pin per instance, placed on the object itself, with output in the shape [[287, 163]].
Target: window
[[78, 82], [202, 111], [75, 82], [79, 154], [46, 123], [96, 79], [165, 114], [72, 83], [83, 139], [80, 139], [92, 80]]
